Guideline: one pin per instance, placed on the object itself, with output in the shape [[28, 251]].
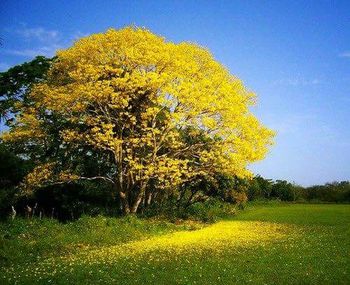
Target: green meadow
[[264, 244]]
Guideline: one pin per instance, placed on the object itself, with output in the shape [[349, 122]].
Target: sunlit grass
[[297, 244]]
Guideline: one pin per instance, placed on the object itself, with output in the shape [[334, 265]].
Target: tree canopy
[[15, 83], [153, 114]]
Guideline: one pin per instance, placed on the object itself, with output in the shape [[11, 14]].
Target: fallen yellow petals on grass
[[212, 241]]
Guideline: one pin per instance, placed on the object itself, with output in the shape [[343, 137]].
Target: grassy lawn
[[276, 244]]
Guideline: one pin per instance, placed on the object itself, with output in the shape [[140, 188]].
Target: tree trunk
[[149, 198], [125, 203], [137, 202], [138, 199]]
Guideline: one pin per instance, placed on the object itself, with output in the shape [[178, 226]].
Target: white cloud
[[39, 41], [345, 54], [47, 51], [346, 99], [4, 66], [40, 34], [309, 128], [36, 41], [291, 123], [78, 35], [297, 82]]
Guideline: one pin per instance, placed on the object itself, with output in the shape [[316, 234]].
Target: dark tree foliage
[[14, 86], [283, 190], [12, 171], [330, 192], [16, 82], [261, 188]]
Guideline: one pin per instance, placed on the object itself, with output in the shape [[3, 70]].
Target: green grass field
[[271, 244]]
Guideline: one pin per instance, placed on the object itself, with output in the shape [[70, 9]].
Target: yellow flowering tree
[[130, 96]]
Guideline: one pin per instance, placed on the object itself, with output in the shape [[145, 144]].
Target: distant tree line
[[71, 200], [334, 192]]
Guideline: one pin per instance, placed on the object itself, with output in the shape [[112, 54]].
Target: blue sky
[[294, 54]]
